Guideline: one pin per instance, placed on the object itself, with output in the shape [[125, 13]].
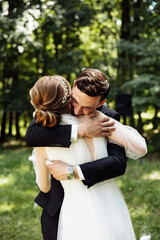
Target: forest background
[[42, 37]]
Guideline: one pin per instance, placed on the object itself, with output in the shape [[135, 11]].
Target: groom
[[89, 93]]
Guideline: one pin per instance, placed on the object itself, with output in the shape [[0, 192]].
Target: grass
[[141, 189], [18, 218], [20, 221]]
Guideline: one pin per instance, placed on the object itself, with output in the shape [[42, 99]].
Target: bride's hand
[[59, 169]]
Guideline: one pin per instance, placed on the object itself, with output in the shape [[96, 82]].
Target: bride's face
[[84, 104]]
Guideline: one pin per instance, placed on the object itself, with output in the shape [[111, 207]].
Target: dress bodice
[[74, 155]]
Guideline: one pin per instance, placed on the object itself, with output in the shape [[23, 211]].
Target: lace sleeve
[[43, 177], [128, 137]]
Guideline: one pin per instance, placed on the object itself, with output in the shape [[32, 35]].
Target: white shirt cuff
[[80, 174], [74, 133]]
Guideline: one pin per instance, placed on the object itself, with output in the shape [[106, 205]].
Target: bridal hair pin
[[65, 88]]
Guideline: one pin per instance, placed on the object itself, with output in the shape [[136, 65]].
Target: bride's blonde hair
[[50, 96]]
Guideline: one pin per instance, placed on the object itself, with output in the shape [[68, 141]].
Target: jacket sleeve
[[57, 136], [106, 168]]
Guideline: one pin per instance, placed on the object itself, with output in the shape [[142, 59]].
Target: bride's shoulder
[[99, 114], [68, 119]]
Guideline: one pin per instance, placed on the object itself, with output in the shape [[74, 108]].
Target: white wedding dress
[[97, 213]]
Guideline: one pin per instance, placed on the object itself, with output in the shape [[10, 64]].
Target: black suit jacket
[[100, 170]]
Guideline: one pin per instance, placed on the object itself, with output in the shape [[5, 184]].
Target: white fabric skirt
[[97, 213]]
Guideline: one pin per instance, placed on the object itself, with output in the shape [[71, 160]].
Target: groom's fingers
[[107, 132], [108, 129], [107, 123]]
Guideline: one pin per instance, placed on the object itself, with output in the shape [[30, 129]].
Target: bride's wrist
[[81, 130]]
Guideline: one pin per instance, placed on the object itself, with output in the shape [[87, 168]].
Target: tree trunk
[[3, 127], [57, 40], [124, 119], [1, 7], [125, 29], [17, 126], [10, 123], [37, 55], [132, 121], [44, 53], [125, 34], [156, 120], [140, 123], [25, 119]]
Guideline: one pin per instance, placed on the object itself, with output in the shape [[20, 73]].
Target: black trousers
[[49, 225]]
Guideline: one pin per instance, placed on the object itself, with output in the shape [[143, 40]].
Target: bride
[[97, 213]]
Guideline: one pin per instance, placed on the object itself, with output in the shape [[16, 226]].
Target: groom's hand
[[92, 127]]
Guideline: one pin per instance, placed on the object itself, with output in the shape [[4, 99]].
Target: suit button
[[52, 145]]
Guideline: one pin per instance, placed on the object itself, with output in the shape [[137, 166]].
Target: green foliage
[[145, 89], [139, 57], [62, 37]]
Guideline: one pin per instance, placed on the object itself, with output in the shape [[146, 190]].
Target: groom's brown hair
[[93, 83]]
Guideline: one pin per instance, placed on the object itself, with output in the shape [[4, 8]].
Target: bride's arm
[[42, 172], [129, 138]]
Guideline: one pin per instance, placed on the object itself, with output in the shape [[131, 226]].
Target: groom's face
[[84, 104]]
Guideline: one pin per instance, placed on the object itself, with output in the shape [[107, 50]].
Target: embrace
[[80, 147]]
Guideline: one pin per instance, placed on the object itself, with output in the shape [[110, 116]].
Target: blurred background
[[42, 37]]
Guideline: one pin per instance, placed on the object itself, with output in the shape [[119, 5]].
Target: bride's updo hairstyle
[[50, 96]]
